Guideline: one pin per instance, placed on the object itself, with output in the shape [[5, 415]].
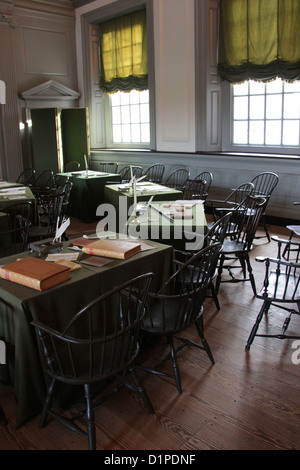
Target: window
[[124, 78], [130, 119], [266, 115]]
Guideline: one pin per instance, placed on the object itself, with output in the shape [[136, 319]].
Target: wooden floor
[[246, 401]]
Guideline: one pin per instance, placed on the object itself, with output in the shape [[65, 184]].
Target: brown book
[[182, 215], [80, 242], [70, 264], [97, 261], [120, 249], [35, 273]]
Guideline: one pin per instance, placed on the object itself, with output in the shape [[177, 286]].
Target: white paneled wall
[[174, 53], [10, 145]]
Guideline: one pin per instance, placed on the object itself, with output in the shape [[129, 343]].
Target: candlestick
[[86, 165], [134, 195]]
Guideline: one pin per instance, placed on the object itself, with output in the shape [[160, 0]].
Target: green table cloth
[[87, 192], [181, 224], [19, 305], [121, 197], [14, 195]]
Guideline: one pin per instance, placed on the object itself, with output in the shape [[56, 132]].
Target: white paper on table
[[189, 201], [13, 191], [59, 256]]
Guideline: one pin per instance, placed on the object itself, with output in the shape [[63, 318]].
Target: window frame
[[92, 20], [109, 130], [227, 131]]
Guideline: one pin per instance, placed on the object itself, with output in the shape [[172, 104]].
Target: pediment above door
[[50, 94]]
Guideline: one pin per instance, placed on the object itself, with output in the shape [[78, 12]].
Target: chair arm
[[282, 240], [262, 259]]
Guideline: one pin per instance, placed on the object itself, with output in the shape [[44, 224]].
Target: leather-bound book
[[35, 273], [119, 248], [80, 242]]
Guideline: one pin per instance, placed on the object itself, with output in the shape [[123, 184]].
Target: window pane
[[240, 132], [256, 132], [273, 133], [240, 108], [274, 114], [124, 98], [256, 88], [135, 133], [134, 97], [144, 113], [240, 89], [291, 108], [274, 106], [135, 113], [291, 132], [116, 117], [126, 135], [257, 107], [117, 134], [145, 133], [125, 113], [144, 96], [115, 99], [274, 87], [292, 87]]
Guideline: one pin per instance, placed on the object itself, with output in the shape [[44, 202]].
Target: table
[[14, 195], [87, 192], [19, 305], [181, 224], [9, 184], [120, 196]]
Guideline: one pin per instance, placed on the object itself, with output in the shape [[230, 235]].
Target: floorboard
[[248, 400]]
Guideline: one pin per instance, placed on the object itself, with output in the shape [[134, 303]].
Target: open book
[[120, 249], [35, 273]]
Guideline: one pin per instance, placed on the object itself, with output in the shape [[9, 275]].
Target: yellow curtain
[[259, 39], [123, 49]]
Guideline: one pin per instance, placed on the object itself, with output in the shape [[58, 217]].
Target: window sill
[[254, 155]]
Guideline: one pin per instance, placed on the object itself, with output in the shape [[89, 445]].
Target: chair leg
[[141, 391], [175, 365], [243, 266], [287, 248], [265, 307], [3, 420], [267, 233], [263, 222], [48, 403], [199, 326], [90, 418], [252, 279], [219, 275], [214, 295]]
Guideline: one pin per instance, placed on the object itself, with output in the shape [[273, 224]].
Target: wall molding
[[50, 94]]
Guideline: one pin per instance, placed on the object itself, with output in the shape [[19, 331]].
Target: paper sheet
[[60, 256]]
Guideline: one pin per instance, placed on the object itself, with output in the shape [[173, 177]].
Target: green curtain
[[123, 50], [259, 40]]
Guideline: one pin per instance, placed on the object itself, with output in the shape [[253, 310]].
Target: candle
[[134, 195], [86, 163]]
